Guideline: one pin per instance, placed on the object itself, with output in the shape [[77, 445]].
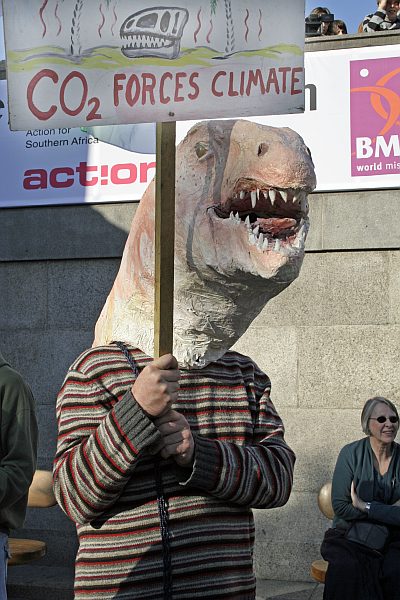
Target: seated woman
[[366, 487]]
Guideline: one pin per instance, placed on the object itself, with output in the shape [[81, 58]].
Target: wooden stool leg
[[318, 570]]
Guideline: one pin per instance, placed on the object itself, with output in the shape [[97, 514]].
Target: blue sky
[[351, 12]]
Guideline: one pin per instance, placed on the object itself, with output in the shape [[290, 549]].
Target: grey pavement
[[271, 589], [34, 582]]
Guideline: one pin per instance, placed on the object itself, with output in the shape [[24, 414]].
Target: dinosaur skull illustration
[[154, 32]]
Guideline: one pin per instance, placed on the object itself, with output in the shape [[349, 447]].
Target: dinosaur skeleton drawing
[[154, 32]]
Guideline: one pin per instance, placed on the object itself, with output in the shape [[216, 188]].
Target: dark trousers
[[356, 573]]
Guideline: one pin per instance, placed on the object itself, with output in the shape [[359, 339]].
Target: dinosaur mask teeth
[[269, 202], [275, 219]]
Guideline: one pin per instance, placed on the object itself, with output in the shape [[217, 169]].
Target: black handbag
[[369, 535]]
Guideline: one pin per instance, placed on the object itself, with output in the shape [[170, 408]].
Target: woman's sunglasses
[[383, 419]]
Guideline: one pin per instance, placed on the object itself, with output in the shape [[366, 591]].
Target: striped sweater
[[378, 21], [104, 478]]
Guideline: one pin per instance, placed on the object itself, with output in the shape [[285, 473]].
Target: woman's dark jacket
[[355, 463]]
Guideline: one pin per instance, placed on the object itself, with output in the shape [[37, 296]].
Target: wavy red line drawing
[[260, 25], [115, 20], [209, 33], [376, 100], [102, 21], [199, 27], [245, 23], [41, 17], [58, 20]]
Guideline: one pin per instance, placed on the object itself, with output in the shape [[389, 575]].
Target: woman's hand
[[357, 502]]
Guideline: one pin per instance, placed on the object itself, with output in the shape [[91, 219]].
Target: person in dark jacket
[[366, 489], [386, 17], [18, 447]]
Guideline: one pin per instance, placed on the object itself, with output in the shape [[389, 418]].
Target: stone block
[[298, 520], [46, 418], [278, 560], [316, 436], [23, 297], [343, 366], [314, 238], [333, 289], [351, 220], [77, 291], [65, 232], [275, 352], [288, 539], [120, 215], [351, 40], [43, 358], [394, 287]]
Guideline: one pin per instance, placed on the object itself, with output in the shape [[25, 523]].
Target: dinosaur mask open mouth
[[275, 218]]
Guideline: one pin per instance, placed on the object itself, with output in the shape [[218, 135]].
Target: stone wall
[[329, 342]]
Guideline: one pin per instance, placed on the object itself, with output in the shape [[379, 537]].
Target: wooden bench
[[23, 551], [319, 567], [40, 496]]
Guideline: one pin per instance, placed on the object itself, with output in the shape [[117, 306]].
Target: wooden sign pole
[[164, 238]]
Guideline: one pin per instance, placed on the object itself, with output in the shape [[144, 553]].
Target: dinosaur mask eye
[[262, 149], [201, 149]]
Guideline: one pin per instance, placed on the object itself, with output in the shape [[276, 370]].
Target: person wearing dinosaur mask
[[160, 461]]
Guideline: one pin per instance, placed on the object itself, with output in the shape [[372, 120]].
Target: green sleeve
[[385, 513], [18, 440]]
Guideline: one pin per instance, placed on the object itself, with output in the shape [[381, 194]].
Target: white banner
[[63, 165], [98, 62], [351, 126], [352, 117]]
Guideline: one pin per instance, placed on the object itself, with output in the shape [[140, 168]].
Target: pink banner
[[375, 116]]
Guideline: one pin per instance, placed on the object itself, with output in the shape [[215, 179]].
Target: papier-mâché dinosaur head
[[241, 224]]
